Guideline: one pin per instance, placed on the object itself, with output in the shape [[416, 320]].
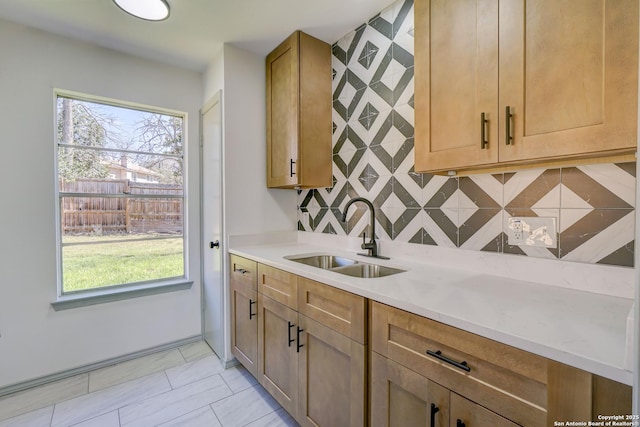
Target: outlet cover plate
[[532, 231]]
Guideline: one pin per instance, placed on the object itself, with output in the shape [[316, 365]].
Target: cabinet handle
[[291, 325], [291, 163], [507, 117], [483, 131], [251, 313], [438, 355], [299, 346], [459, 423], [434, 411]]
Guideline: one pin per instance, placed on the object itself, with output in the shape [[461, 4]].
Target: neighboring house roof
[[130, 167]]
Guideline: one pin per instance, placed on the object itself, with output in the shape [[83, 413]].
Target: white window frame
[[129, 290]]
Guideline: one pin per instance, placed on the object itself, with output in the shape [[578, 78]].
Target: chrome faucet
[[371, 246]]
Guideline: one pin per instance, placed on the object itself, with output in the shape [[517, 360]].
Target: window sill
[[85, 299]]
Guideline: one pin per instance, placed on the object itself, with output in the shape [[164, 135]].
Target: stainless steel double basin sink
[[345, 266]]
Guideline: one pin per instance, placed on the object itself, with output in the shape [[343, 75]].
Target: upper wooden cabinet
[[523, 81], [299, 114]]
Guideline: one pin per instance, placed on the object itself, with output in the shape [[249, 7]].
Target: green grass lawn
[[114, 262]]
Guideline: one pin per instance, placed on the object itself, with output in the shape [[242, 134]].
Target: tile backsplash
[[373, 122]]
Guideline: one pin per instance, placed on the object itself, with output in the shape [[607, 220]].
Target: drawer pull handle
[[438, 355], [291, 325], [251, 313], [508, 116], [291, 163], [459, 423], [299, 346], [483, 128], [434, 411]]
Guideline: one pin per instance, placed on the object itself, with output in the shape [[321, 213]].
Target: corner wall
[[35, 340], [249, 207]]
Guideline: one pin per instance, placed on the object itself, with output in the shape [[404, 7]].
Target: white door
[[212, 262]]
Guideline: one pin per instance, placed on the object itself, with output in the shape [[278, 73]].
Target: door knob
[[215, 244]]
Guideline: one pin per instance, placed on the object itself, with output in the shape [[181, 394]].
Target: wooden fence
[[123, 213]]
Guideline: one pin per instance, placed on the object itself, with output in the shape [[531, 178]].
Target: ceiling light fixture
[[150, 10]]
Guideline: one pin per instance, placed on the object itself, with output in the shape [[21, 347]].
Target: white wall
[[250, 208], [34, 339]]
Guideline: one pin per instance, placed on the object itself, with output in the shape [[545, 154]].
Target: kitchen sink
[[326, 262], [368, 270], [345, 266]]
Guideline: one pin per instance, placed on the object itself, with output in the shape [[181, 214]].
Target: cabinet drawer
[[339, 310], [278, 285], [504, 379], [243, 271]]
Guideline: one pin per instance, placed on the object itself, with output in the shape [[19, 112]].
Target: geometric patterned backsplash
[[373, 122]]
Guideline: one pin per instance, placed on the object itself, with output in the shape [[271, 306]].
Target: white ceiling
[[196, 28]]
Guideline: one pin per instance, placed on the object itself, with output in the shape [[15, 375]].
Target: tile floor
[[186, 386]]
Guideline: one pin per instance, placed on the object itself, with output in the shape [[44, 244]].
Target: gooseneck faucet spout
[[371, 246]]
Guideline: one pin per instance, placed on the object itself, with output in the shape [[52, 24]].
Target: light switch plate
[[532, 231]]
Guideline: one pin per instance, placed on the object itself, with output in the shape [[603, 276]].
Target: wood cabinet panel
[[332, 377], [277, 356], [456, 45], [504, 379], [340, 310], [243, 270], [556, 79], [282, 113], [299, 113], [400, 397], [568, 71], [278, 285], [574, 394], [465, 413], [244, 325]]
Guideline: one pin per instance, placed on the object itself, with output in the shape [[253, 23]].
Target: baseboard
[[230, 363], [93, 366]]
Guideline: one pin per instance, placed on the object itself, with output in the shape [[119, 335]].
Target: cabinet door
[[456, 83], [568, 72], [282, 113], [277, 356], [244, 325], [332, 375], [465, 413], [401, 397]]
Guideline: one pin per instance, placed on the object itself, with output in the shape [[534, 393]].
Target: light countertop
[[582, 329]]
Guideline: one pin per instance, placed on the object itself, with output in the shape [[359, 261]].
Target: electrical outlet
[[532, 231], [515, 224], [305, 218]]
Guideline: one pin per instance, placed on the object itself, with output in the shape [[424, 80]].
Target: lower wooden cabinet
[[401, 397], [465, 413], [489, 383], [244, 307], [307, 344], [314, 365], [277, 352], [332, 377], [244, 326]]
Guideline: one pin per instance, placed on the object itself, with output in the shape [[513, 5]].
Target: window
[[121, 198]]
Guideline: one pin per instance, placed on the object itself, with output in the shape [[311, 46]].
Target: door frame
[[212, 102]]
